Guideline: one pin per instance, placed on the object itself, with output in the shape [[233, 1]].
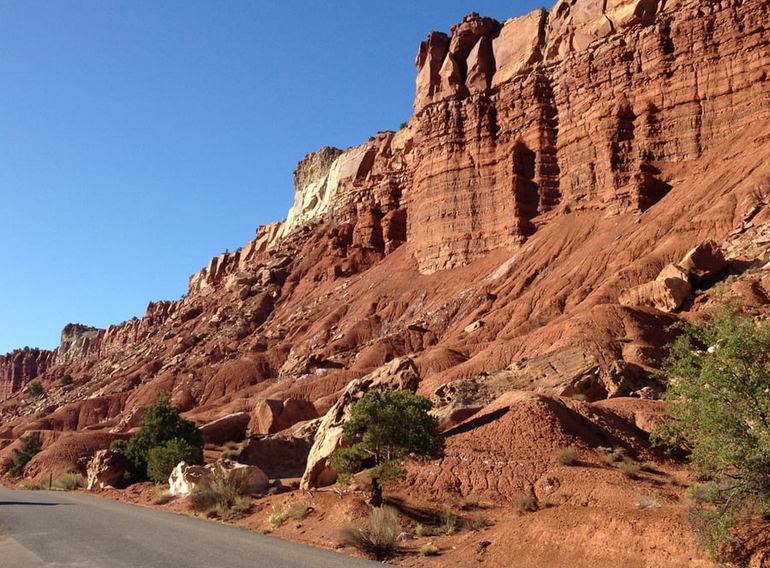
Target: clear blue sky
[[140, 138]]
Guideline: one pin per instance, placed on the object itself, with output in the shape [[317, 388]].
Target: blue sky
[[140, 138]]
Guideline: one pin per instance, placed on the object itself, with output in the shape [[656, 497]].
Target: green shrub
[[35, 388], [429, 549], [161, 423], [66, 380], [379, 537], [383, 429], [161, 460], [719, 379], [567, 456], [30, 445]]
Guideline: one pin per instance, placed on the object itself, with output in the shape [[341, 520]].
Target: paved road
[[56, 529]]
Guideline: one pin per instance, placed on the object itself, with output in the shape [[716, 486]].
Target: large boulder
[[399, 374], [184, 478], [666, 295], [704, 261], [106, 469], [226, 428], [271, 416]]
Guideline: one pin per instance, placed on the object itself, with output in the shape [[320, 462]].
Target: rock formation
[[570, 184]]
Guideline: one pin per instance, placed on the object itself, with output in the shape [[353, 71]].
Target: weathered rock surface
[[106, 469], [667, 294], [704, 261], [19, 367], [271, 416], [225, 429]]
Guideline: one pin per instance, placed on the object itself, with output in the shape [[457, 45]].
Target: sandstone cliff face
[[19, 367], [572, 110], [528, 230]]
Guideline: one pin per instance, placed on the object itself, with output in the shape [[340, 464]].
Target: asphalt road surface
[[57, 529]]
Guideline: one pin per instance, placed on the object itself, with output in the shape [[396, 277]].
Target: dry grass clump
[[223, 494], [470, 502], [525, 502], [648, 501], [567, 456], [380, 535], [429, 549], [68, 482], [161, 496], [611, 455], [629, 468], [447, 522]]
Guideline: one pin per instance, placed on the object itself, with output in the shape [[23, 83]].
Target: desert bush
[[719, 377], [649, 467], [161, 460], [35, 388], [34, 486], [567, 456], [30, 445], [66, 380], [383, 429], [379, 537], [429, 549], [222, 494], [629, 468], [525, 502], [161, 423], [69, 482], [421, 530]]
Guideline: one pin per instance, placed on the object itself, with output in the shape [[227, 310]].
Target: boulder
[[673, 271], [400, 373], [226, 429], [184, 478], [704, 261], [106, 469], [271, 416], [666, 295]]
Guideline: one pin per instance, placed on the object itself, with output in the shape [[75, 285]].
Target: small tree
[[383, 429], [161, 460], [66, 380], [35, 388], [719, 391], [161, 423], [30, 445]]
